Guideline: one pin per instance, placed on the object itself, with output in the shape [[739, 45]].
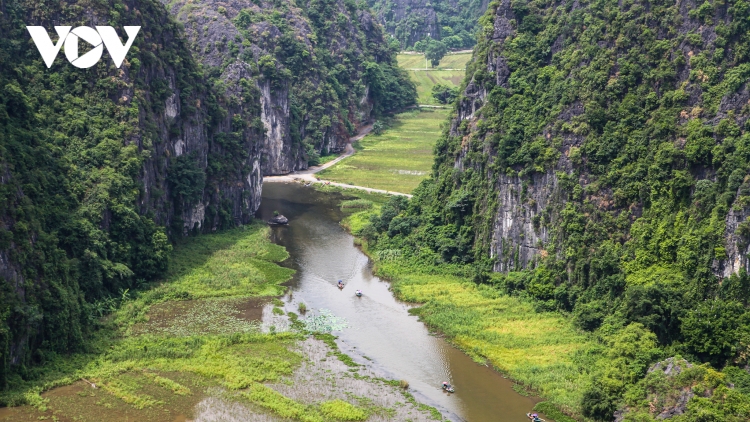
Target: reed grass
[[540, 350]]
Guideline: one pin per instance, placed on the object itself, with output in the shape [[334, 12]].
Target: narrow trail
[[308, 175]]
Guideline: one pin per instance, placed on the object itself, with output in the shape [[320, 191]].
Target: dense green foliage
[[93, 179], [638, 112], [444, 94], [71, 151], [413, 22], [327, 54], [435, 51]]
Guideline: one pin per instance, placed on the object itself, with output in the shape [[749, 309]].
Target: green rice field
[[398, 159], [450, 61], [449, 72], [426, 79]]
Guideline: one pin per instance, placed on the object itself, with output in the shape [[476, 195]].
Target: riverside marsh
[[146, 370], [396, 160]]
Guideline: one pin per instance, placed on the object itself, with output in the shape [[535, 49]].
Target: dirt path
[[308, 175]]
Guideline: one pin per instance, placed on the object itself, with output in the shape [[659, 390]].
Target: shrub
[[343, 411]]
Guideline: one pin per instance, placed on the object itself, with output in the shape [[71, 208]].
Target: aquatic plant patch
[[324, 322], [210, 316]]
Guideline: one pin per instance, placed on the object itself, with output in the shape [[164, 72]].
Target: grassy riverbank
[[541, 351], [194, 344], [396, 160]]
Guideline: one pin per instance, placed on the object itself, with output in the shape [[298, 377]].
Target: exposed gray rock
[[736, 244], [670, 366], [278, 220], [213, 30], [528, 204]]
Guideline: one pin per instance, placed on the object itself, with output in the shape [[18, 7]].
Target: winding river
[[381, 334]]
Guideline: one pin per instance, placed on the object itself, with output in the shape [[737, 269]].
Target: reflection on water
[[381, 333]]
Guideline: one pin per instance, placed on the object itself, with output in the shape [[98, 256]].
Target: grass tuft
[[342, 411]]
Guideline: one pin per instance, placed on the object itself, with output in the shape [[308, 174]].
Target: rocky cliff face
[[421, 17], [410, 21], [578, 139], [737, 236], [311, 75], [101, 167], [96, 162]]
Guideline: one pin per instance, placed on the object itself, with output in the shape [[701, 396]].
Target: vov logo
[[105, 35]]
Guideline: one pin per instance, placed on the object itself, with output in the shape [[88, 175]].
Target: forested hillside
[[102, 167], [410, 21], [324, 69], [598, 163]]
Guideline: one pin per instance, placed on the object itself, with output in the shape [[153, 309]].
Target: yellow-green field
[[450, 61], [398, 159], [426, 79], [449, 72], [535, 348]]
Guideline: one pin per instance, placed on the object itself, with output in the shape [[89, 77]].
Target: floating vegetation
[[343, 411], [189, 318], [324, 322]]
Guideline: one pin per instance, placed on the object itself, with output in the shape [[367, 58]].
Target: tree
[[444, 94], [712, 330], [435, 51], [629, 354], [378, 127]]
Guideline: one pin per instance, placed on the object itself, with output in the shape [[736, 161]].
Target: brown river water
[[381, 333]]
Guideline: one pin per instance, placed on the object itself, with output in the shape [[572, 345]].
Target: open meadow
[[396, 160]]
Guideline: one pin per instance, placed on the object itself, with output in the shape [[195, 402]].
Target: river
[[381, 334]]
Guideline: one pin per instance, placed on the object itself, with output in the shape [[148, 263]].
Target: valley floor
[[204, 345]]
